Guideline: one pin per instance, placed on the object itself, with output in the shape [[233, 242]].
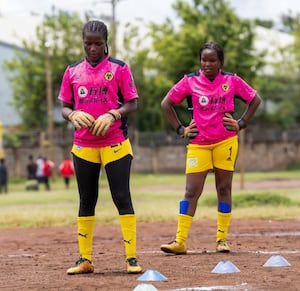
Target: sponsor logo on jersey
[[203, 100], [82, 91]]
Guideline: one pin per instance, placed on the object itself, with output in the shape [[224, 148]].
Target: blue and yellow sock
[[184, 222], [224, 217]]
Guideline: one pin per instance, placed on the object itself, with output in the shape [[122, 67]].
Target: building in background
[[11, 37], [8, 115]]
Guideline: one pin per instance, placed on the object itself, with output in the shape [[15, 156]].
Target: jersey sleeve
[[243, 90], [179, 91], [66, 91], [127, 84]]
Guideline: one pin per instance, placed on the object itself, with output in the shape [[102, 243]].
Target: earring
[[106, 50]]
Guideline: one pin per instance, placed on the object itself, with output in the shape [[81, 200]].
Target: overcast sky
[[155, 10]]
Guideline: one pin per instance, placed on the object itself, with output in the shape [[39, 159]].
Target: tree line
[[159, 58]]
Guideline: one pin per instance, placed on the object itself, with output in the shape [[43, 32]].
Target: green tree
[[158, 60], [62, 32], [175, 52], [281, 88], [290, 73]]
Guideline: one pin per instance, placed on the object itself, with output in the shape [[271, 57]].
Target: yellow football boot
[[132, 266], [82, 266], [174, 248], [222, 246]]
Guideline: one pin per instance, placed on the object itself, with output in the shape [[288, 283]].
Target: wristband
[[180, 130], [115, 114], [112, 115], [242, 123]]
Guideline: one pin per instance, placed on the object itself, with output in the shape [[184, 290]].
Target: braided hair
[[96, 26], [216, 47]]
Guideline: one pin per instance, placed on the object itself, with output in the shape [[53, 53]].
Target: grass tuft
[[255, 199], [155, 197]]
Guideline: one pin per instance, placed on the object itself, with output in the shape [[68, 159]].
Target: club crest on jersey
[[82, 91], [225, 87], [108, 76], [203, 100]]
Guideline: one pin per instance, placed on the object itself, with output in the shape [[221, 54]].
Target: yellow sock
[[223, 225], [183, 227], [128, 228], [85, 235]]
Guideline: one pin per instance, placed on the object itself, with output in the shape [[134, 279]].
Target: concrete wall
[[269, 156], [255, 157]]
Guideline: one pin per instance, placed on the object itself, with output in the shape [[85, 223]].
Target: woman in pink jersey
[[213, 133], [97, 94]]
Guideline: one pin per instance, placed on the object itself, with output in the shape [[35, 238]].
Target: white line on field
[[232, 252], [243, 286]]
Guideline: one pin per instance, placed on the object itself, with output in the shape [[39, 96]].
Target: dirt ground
[[37, 259]]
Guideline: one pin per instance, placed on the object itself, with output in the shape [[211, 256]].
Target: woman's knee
[[224, 190], [190, 193]]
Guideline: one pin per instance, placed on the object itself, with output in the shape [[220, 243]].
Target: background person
[[40, 170], [98, 93], [31, 167], [214, 138], [48, 167], [3, 176], [44, 171], [66, 169]]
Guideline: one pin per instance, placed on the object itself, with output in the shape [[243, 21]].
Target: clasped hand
[[104, 122], [100, 126], [81, 119]]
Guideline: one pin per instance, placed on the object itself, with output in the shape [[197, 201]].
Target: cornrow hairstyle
[[96, 26], [214, 46]]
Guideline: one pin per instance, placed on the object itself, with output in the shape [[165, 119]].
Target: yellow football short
[[103, 155], [221, 155]]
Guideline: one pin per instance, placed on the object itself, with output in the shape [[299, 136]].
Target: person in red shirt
[[66, 169], [47, 172]]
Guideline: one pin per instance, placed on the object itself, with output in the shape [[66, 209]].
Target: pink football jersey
[[210, 101], [96, 90]]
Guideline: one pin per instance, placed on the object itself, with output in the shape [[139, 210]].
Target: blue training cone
[[225, 267], [276, 261], [152, 275], [145, 287]]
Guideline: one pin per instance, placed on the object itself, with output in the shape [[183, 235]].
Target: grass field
[[155, 197]]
